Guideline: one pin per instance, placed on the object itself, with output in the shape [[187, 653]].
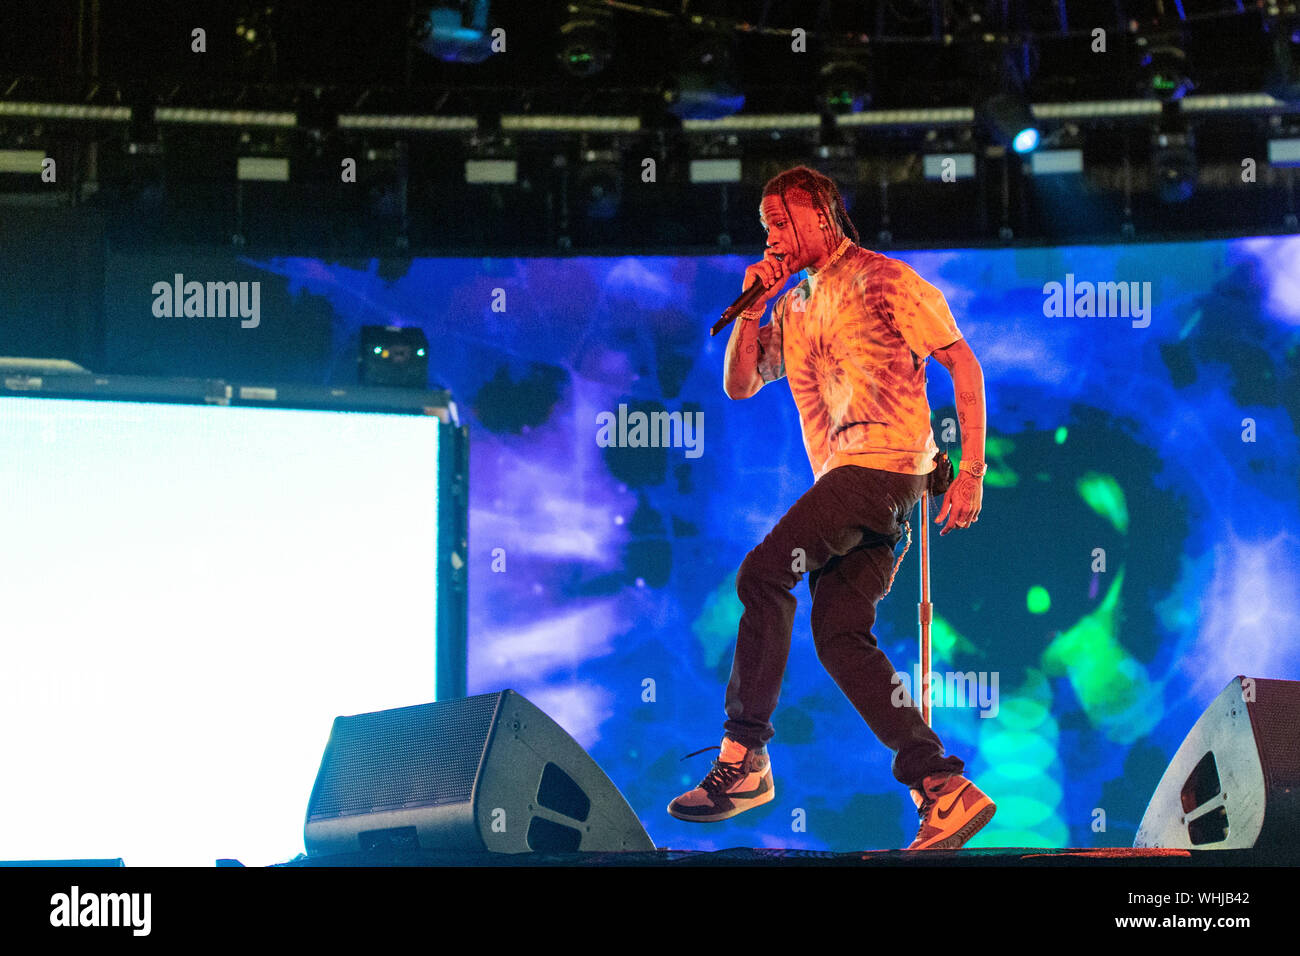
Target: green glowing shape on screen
[[1061, 432], [1020, 749], [1038, 600], [1054, 833], [715, 627], [1103, 495], [946, 642], [1112, 686], [1019, 753]]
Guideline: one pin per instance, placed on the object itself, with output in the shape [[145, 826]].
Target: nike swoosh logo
[[943, 812], [761, 788]]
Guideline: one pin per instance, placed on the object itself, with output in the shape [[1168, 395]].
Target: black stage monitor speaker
[[480, 773], [1235, 781]]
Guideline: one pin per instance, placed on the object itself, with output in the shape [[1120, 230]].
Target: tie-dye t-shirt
[[852, 342]]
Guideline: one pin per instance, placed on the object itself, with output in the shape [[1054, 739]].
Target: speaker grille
[[410, 757], [1276, 719]]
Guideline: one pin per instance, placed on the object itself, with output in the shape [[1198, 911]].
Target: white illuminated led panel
[[1047, 162], [491, 171], [189, 595], [1284, 152], [715, 170]]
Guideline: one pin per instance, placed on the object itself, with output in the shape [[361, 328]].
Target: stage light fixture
[[456, 33], [704, 85], [393, 356], [1283, 81], [1010, 121], [586, 41], [1163, 67], [844, 86]]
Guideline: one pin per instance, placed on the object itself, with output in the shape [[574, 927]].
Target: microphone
[[743, 302]]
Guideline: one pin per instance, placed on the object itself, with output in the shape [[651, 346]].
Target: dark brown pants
[[842, 531]]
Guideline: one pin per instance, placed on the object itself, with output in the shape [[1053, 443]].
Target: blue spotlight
[[1010, 121], [1026, 141], [457, 35]]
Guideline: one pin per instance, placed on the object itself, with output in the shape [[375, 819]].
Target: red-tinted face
[[794, 230]]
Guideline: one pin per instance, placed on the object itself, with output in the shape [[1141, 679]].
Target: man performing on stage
[[852, 339]]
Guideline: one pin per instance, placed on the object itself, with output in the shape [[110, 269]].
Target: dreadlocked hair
[[821, 191]]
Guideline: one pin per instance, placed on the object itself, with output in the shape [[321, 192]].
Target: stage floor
[[741, 856]]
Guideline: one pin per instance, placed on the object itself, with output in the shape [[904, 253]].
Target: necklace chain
[[835, 256]]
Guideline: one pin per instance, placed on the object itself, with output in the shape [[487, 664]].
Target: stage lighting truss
[[66, 111], [196, 116], [374, 122], [537, 123], [766, 124]]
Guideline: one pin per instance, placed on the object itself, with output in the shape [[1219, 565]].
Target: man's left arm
[[964, 499]]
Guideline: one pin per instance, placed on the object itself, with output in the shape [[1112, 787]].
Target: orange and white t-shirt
[[852, 340]]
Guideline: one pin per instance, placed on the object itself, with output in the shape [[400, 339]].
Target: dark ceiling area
[[508, 124]]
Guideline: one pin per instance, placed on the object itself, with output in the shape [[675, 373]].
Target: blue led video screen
[[1138, 544]]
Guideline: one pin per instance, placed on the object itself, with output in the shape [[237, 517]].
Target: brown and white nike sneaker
[[952, 810], [740, 780]]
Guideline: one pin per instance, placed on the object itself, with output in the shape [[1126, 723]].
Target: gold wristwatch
[[976, 469]]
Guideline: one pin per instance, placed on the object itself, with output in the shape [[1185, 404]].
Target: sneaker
[[740, 780], [952, 810]]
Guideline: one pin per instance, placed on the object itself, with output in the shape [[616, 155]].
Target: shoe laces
[[722, 775]]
